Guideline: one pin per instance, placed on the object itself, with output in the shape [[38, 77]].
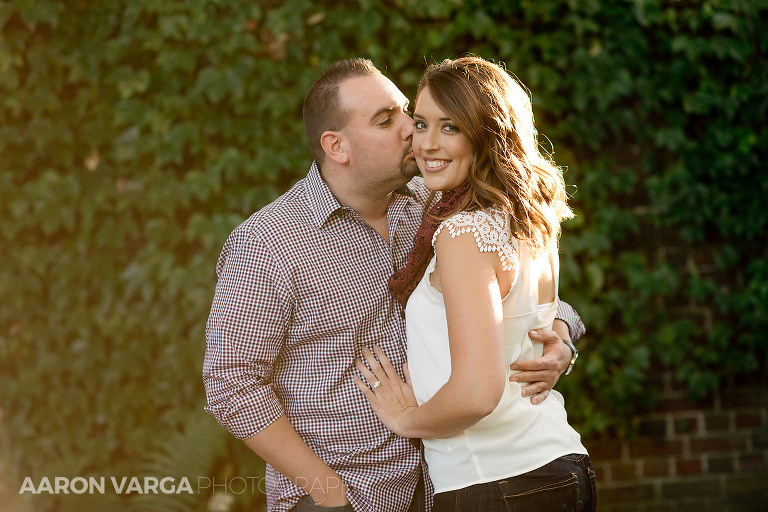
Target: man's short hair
[[322, 105]]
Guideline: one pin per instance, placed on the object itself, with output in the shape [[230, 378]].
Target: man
[[302, 289]]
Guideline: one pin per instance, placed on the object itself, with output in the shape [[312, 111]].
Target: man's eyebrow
[[382, 110]]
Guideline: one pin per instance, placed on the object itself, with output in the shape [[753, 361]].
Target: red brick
[[741, 397], [624, 471], [745, 483], [656, 428], [690, 487], [682, 403], [655, 467], [686, 425], [603, 449], [760, 439], [688, 466], [718, 444], [749, 420], [720, 464], [674, 405], [602, 471], [628, 493], [751, 463], [645, 448], [715, 422]]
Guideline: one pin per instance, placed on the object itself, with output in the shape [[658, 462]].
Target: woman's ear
[[334, 147]]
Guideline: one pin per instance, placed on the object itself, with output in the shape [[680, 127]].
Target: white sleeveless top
[[516, 437]]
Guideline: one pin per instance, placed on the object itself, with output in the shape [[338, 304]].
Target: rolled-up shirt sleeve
[[244, 334], [567, 314]]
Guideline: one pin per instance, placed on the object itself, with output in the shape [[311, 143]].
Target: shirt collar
[[321, 200]]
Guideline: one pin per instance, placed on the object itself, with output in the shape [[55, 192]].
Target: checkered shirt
[[570, 316], [301, 290]]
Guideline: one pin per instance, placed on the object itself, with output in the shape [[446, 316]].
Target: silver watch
[[573, 358]]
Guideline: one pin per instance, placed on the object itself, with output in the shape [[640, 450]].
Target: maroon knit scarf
[[404, 281]]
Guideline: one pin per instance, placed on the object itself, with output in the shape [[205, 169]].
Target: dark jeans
[[566, 484], [419, 502]]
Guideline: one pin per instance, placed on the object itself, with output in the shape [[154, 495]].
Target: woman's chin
[[436, 185]]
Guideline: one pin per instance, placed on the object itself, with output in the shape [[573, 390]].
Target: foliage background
[[135, 134]]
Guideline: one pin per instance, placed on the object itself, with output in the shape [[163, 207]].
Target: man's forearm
[[561, 328], [283, 449]]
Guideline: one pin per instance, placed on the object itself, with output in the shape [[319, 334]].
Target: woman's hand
[[391, 398]]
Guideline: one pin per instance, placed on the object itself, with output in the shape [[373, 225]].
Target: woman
[[492, 278]]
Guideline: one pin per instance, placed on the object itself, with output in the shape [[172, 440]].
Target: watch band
[[574, 358]]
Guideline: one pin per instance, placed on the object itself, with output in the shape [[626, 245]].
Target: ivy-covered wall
[[135, 134]]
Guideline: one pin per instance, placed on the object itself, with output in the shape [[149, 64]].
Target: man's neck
[[373, 210], [368, 204]]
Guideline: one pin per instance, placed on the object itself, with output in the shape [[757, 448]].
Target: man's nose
[[407, 128]]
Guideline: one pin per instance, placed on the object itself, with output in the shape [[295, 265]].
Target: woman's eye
[[420, 125], [451, 128]]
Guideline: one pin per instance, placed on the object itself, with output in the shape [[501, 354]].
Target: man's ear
[[334, 146]]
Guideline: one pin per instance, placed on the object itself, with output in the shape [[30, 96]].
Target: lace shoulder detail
[[491, 230]]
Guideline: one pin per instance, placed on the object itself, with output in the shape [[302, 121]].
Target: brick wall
[[707, 457]]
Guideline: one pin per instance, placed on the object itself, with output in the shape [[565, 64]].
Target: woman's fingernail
[[534, 332]]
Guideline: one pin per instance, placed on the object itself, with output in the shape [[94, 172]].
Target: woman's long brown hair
[[507, 168]]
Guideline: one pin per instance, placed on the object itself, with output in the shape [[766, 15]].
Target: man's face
[[379, 132]]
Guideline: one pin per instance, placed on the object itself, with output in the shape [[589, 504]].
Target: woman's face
[[442, 152]]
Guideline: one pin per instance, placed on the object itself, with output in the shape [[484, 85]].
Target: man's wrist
[[328, 492]]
